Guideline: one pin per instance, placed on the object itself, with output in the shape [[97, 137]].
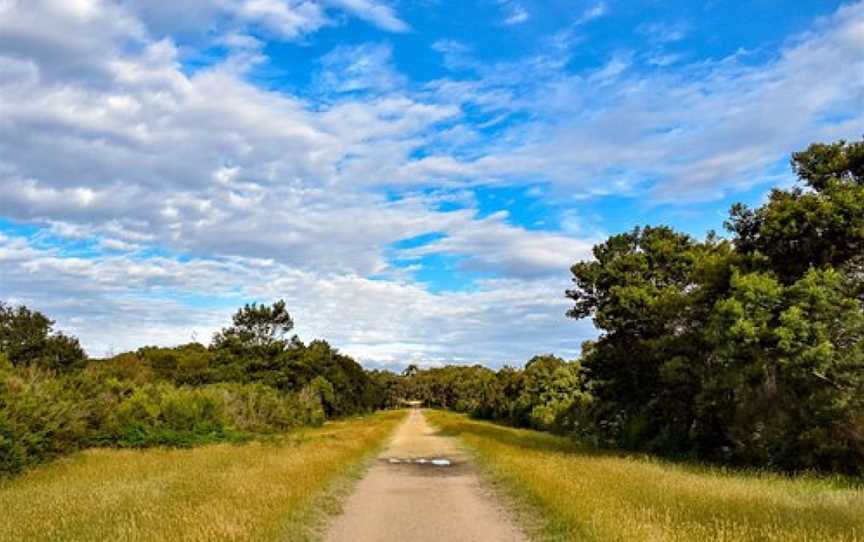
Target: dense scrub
[[250, 381], [747, 351]]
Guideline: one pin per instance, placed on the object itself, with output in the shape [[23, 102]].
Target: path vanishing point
[[406, 496]]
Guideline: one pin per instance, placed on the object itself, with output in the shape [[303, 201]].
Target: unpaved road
[[409, 501]]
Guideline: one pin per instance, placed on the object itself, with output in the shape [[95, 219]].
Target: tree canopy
[[749, 350]]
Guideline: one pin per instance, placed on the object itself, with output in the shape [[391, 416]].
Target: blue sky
[[413, 177]]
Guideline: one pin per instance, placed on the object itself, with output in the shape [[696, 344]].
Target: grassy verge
[[259, 490], [577, 494]]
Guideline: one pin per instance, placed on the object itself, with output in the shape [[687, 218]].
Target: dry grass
[[576, 494], [261, 490]]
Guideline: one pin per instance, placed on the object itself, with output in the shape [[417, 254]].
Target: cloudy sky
[[414, 177]]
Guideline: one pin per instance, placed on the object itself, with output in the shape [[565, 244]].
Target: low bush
[[40, 418], [44, 415], [160, 414]]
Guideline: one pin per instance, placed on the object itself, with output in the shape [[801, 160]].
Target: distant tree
[[27, 338], [255, 348], [258, 327]]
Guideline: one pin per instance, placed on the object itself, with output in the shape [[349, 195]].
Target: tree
[[749, 351], [819, 224], [257, 327], [27, 338], [254, 347], [789, 371], [649, 292]]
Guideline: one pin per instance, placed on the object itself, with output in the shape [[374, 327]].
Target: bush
[[160, 414], [256, 408], [44, 415], [40, 418]]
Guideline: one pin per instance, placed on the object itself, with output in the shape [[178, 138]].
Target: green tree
[[255, 348], [27, 338], [649, 292], [749, 351], [819, 224], [257, 327]]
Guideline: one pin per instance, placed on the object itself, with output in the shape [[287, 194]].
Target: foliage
[[576, 492], [40, 418], [546, 394], [251, 381], [265, 491], [749, 351], [27, 338], [818, 225]]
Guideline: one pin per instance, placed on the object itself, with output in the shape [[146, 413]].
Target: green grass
[[273, 490], [574, 493]]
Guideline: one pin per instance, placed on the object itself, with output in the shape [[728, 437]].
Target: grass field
[[261, 490], [577, 494]]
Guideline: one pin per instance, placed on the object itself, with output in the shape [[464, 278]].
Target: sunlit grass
[[577, 494], [260, 490]]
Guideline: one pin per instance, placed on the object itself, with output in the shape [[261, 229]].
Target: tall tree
[[27, 337]]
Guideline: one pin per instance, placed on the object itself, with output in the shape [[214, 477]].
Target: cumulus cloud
[[121, 302], [107, 140], [280, 19], [490, 244]]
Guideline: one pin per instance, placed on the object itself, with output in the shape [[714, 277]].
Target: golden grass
[[260, 490], [577, 494]]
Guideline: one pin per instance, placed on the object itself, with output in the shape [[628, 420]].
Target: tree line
[[744, 351], [251, 381]]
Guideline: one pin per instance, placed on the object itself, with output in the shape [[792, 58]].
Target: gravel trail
[[422, 488]]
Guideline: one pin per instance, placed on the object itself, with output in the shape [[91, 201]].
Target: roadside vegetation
[[252, 381], [277, 489], [746, 352], [574, 492]]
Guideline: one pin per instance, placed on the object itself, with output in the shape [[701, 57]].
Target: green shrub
[[40, 418], [160, 414], [257, 408]]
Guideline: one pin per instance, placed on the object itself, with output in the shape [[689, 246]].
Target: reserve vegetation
[[744, 351], [747, 351], [283, 488], [566, 490]]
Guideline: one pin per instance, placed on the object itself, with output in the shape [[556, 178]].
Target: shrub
[[40, 418], [257, 408], [160, 414]]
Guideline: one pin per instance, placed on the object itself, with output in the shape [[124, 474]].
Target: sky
[[414, 178]]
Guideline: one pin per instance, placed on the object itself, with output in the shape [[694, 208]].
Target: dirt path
[[401, 499]]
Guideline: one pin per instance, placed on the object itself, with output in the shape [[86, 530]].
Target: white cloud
[[365, 67], [698, 132], [490, 244], [106, 139], [281, 19], [377, 13], [515, 12], [595, 11], [664, 32], [116, 303]]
